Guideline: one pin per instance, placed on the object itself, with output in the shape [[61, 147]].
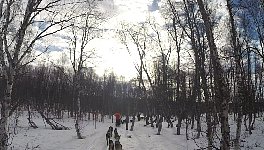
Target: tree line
[[204, 64]]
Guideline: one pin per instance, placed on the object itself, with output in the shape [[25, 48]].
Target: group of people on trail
[[158, 120], [118, 120]]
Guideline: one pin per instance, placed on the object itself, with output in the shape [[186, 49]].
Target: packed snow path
[[142, 138]]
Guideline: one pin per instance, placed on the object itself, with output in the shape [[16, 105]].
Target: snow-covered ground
[[142, 138]]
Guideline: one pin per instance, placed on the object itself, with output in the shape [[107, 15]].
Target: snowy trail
[[94, 139], [98, 141], [146, 138], [133, 143], [178, 141], [153, 141], [142, 138]]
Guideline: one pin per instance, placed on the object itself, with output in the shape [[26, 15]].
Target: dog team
[[111, 145]]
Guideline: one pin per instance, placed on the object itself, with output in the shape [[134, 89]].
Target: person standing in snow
[[127, 121], [138, 116], [118, 118], [159, 126]]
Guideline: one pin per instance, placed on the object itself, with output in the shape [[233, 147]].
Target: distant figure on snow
[[159, 125], [138, 116], [127, 121], [118, 119]]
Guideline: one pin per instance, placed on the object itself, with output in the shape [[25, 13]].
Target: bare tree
[[177, 33], [17, 40], [240, 76], [187, 19], [251, 12], [84, 29], [136, 35], [219, 80]]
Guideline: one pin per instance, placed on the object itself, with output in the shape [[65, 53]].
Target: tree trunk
[[238, 130], [239, 75], [249, 123], [208, 106], [186, 128], [5, 109], [77, 127], [253, 122], [30, 122], [245, 122], [220, 84]]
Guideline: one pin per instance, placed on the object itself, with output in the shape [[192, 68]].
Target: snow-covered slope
[[142, 138]]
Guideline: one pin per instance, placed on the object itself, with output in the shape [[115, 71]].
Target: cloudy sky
[[114, 55], [111, 54]]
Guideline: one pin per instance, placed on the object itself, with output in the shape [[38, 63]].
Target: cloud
[[154, 6]]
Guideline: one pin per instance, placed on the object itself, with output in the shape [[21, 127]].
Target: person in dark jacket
[[138, 116]]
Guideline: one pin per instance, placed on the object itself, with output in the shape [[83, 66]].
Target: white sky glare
[[112, 56]]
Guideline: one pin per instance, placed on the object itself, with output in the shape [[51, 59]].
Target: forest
[[204, 60]]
